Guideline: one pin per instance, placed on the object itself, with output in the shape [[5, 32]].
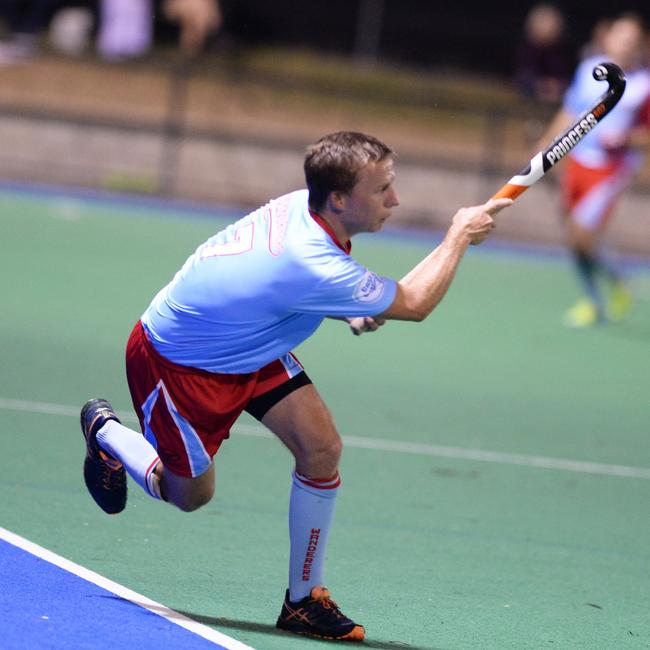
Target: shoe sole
[[109, 510], [357, 634]]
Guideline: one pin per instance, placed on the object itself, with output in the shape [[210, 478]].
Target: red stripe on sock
[[152, 466], [330, 483], [148, 473]]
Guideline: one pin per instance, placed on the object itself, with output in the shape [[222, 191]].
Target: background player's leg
[[591, 264], [619, 302], [589, 310], [304, 424]]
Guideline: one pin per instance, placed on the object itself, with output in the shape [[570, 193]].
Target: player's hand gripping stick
[[544, 160]]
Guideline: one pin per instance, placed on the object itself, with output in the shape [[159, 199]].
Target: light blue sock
[[311, 509], [137, 455]]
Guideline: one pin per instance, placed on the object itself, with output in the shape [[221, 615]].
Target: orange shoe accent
[[319, 617], [357, 634], [109, 461]]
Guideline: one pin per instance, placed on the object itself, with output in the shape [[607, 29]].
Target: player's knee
[[188, 494], [195, 499], [335, 450], [322, 459], [330, 449]]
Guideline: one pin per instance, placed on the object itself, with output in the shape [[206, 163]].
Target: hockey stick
[[544, 160]]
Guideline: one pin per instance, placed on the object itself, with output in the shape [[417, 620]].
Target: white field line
[[398, 446], [203, 631]]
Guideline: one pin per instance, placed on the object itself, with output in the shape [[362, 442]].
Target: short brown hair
[[333, 162]]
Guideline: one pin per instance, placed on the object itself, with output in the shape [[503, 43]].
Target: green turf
[[427, 552]]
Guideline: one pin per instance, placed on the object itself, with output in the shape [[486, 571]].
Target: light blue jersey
[[583, 91], [257, 289]]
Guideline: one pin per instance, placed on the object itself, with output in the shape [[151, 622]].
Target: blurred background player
[[217, 341], [595, 46], [598, 170], [542, 60]]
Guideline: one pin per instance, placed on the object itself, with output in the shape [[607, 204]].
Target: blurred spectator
[[24, 20], [197, 20], [71, 30], [125, 29], [542, 63], [602, 166], [126, 26]]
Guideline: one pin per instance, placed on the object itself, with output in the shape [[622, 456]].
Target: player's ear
[[336, 201]]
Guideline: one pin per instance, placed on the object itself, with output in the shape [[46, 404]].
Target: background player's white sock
[[311, 509], [134, 452]]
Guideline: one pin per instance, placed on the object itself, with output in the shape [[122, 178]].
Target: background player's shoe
[[104, 475], [583, 314], [317, 615], [620, 302]]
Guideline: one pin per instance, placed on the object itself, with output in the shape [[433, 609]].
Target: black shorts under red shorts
[[186, 413]]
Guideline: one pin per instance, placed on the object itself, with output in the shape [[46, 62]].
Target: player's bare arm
[[420, 290]]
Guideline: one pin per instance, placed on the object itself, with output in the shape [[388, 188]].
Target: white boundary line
[[420, 449], [138, 599]]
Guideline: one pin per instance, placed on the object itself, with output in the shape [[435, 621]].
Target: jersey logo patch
[[370, 288]]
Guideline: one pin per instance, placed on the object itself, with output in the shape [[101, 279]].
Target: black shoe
[[104, 475], [319, 616]]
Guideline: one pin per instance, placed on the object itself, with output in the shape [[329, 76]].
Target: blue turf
[[43, 606]]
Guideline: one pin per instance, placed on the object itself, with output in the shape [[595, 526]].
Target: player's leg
[[185, 493], [173, 459], [589, 197], [619, 297], [592, 264], [142, 463], [590, 309], [114, 449], [304, 424]]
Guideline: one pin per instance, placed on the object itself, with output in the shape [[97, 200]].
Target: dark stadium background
[[475, 35]]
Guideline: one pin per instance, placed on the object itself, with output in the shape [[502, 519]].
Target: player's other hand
[[477, 222], [362, 324]]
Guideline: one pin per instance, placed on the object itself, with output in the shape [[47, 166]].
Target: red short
[[186, 413], [589, 194]]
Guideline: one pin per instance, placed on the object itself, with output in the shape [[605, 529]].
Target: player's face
[[624, 42], [371, 200]]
